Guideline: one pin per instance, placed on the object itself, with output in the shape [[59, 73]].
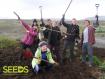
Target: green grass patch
[[7, 42], [100, 30], [102, 66], [96, 60]]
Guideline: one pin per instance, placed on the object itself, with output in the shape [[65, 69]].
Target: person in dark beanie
[[46, 32], [36, 39], [53, 36], [54, 41], [70, 37], [43, 58]]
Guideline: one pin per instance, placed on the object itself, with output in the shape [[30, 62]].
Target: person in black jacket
[[70, 38], [54, 41], [46, 31], [53, 36]]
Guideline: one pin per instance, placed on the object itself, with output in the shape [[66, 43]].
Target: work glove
[[56, 64], [39, 60]]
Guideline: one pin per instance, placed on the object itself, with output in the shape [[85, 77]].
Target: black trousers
[[68, 51], [55, 49]]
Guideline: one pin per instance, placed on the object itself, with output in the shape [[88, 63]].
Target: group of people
[[43, 49]]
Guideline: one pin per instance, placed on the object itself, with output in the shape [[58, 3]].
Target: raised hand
[[63, 15]]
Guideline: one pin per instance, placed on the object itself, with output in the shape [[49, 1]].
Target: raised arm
[[27, 27], [64, 23], [22, 22]]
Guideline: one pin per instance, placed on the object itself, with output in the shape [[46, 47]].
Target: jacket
[[72, 30], [91, 35], [54, 37], [46, 32], [39, 55], [29, 37]]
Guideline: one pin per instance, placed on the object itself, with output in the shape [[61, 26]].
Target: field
[[14, 30], [10, 50]]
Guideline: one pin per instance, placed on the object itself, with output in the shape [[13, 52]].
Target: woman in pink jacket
[[31, 32], [29, 38]]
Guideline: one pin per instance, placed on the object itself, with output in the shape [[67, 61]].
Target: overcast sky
[[29, 9]]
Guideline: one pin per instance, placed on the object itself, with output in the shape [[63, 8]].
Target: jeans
[[87, 49]]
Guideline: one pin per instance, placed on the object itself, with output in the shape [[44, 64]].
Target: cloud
[[29, 9]]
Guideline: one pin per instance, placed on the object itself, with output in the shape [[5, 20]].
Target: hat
[[42, 43], [34, 20]]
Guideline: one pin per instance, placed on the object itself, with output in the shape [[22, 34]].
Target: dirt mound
[[100, 52], [73, 70]]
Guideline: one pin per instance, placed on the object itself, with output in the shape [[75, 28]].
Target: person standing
[[70, 38], [36, 39], [53, 36], [29, 38], [46, 32], [54, 41], [87, 41]]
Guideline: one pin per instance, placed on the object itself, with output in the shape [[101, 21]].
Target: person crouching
[[43, 58]]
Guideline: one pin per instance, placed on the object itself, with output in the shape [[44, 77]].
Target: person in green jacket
[[43, 58]]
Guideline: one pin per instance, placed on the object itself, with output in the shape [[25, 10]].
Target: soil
[[71, 70]]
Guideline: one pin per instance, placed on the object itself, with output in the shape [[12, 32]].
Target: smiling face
[[35, 23], [44, 48], [34, 28], [74, 21], [54, 23], [49, 22], [87, 23]]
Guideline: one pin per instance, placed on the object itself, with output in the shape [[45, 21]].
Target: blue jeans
[[40, 67], [87, 49]]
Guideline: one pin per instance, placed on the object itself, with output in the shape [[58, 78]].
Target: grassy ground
[[14, 30], [6, 42]]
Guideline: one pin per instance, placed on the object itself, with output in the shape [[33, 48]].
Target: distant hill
[[102, 18]]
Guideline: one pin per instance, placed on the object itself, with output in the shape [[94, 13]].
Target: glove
[[39, 60], [56, 63]]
